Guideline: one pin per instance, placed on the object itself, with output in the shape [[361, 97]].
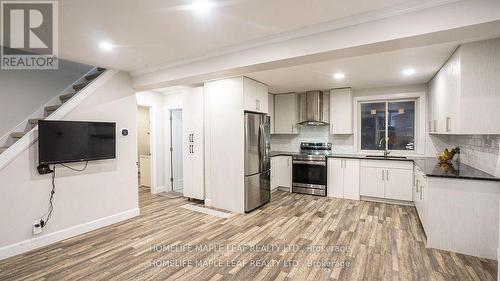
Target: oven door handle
[[316, 163]]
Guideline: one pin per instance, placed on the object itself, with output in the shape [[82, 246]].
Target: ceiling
[[368, 71], [150, 33]]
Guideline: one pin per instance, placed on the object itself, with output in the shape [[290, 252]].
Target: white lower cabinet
[[343, 178], [420, 195], [386, 179], [281, 172]]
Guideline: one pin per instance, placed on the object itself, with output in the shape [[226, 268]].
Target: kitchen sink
[[386, 157]]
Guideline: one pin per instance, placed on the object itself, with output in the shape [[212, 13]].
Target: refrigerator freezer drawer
[[257, 190]]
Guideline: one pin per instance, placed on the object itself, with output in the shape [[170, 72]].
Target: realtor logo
[[29, 35]]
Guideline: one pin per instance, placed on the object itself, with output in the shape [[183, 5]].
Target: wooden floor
[[295, 237]]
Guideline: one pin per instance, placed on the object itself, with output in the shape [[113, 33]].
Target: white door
[[372, 182], [398, 184], [351, 179], [335, 178], [176, 149]]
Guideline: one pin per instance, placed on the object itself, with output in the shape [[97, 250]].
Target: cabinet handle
[[448, 119], [387, 175], [430, 126], [331, 128], [257, 104], [417, 185], [435, 126], [421, 193], [382, 175]]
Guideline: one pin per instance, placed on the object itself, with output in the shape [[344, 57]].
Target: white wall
[[22, 92], [106, 192], [342, 143]]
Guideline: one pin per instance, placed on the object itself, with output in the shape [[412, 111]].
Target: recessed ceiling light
[[339, 76], [409, 71], [201, 6], [106, 46]]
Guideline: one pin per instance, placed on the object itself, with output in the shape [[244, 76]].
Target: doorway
[[176, 149], [143, 146]]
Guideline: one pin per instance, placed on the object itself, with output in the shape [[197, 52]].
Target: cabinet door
[[398, 184], [287, 171], [274, 173], [372, 182], [341, 111], [285, 114], [193, 153], [335, 176], [262, 97], [351, 179], [271, 111], [250, 94]]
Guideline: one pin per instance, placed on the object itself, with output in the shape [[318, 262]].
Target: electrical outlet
[[37, 228]]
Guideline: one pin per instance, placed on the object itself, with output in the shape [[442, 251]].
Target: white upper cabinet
[[463, 95], [341, 111], [286, 113], [256, 96]]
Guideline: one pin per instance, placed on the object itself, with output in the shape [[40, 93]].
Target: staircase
[[48, 110]]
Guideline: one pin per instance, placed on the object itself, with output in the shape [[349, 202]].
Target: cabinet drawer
[[390, 164]]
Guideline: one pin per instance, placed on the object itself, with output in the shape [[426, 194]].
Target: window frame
[[416, 133]]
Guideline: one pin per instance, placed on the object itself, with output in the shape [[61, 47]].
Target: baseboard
[[286, 189], [386, 201], [40, 241], [208, 202]]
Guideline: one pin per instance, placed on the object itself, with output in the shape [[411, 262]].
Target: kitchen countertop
[[429, 166]]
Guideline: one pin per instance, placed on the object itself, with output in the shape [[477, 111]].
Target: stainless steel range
[[309, 168]]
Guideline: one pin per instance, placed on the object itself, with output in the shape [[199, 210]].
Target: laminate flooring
[[294, 237]]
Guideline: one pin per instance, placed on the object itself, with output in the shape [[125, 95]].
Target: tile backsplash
[[479, 151], [341, 144]]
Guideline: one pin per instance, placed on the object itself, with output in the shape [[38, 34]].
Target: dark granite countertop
[[429, 166]]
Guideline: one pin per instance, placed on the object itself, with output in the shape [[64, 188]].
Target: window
[[393, 121]]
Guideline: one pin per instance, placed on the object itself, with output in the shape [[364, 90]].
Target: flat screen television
[[75, 141]]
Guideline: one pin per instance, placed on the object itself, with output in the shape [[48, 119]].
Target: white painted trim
[[41, 241], [208, 202], [32, 136], [420, 122]]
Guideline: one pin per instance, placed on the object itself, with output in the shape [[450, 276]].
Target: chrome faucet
[[386, 152]]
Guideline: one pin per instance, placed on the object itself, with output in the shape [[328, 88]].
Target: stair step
[[93, 76], [34, 121], [17, 135], [80, 86], [66, 97], [50, 109]]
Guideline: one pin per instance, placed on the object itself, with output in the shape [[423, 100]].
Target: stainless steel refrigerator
[[257, 160]]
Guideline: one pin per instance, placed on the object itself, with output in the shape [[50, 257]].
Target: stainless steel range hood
[[312, 109]]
